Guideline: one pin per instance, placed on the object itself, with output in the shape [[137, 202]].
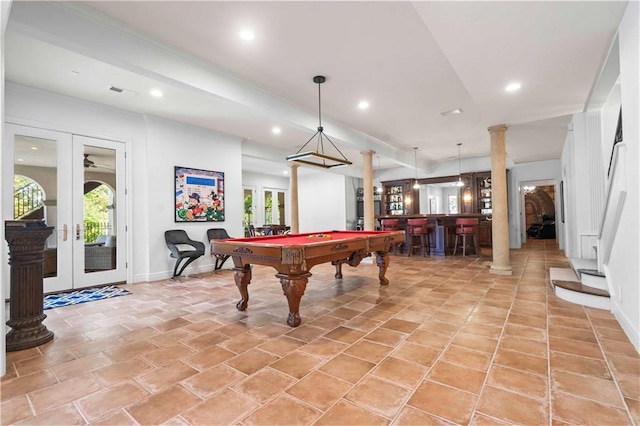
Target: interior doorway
[[539, 213]]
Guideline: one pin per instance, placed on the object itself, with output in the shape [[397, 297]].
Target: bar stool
[[419, 228], [390, 225], [467, 227]]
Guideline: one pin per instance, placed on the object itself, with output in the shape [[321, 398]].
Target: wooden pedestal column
[[26, 240]]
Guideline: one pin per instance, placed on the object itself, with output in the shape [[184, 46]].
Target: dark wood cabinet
[[475, 198], [484, 204], [398, 198]]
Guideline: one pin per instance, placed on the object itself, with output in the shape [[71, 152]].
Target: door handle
[[64, 232], [77, 231]]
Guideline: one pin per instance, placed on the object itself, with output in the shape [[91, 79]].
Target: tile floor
[[445, 343]]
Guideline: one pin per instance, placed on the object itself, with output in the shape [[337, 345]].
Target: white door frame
[[63, 240], [80, 277], [523, 220], [65, 278]]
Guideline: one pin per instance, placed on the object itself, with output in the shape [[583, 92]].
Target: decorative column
[[367, 177], [500, 223], [293, 191], [26, 240]]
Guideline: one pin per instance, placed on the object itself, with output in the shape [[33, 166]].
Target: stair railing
[[26, 200], [616, 195]]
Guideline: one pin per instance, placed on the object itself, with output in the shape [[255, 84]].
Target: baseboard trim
[[626, 325]]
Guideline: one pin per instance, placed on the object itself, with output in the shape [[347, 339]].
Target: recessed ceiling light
[[276, 130], [451, 112], [247, 34], [285, 172], [20, 159], [512, 87], [35, 148], [363, 105], [157, 93]]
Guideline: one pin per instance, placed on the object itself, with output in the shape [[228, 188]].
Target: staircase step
[[562, 274], [580, 263], [593, 278], [593, 272], [581, 294], [581, 288]]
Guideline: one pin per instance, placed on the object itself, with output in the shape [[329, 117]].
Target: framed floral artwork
[[199, 195]]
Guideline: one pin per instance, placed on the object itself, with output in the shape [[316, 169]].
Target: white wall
[[154, 147], [624, 271], [525, 172], [321, 200], [174, 144]]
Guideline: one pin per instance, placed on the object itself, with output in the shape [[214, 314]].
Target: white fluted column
[[367, 177], [500, 210], [293, 195]]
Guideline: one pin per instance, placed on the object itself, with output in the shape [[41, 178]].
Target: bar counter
[[444, 229]]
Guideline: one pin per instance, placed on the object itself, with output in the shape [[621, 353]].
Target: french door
[[274, 206], [250, 208], [76, 184]]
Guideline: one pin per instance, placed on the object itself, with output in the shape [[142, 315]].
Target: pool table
[[293, 256]]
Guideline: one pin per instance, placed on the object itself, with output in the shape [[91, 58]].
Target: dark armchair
[[544, 230], [182, 247], [218, 234]]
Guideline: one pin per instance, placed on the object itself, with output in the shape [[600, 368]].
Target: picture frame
[[199, 195]]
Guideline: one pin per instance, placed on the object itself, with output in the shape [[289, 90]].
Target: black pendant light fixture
[[318, 157], [460, 182], [416, 185]]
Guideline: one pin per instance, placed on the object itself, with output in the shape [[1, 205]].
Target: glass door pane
[[99, 248], [274, 206], [100, 214], [38, 186], [268, 207], [249, 209], [35, 186]]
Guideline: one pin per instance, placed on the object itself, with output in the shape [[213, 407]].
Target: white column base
[[501, 270]]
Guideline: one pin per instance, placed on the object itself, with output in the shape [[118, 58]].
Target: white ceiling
[[410, 60]]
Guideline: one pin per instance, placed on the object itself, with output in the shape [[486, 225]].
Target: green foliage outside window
[[248, 203], [96, 214], [268, 208]]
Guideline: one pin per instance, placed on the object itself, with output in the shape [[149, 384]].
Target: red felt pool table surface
[[293, 256], [308, 238]]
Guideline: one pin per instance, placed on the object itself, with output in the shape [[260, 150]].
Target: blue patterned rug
[[83, 296]]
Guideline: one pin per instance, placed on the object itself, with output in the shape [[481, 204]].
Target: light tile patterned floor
[[445, 343]]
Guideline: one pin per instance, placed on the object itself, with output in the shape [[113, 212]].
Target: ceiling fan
[[88, 163]]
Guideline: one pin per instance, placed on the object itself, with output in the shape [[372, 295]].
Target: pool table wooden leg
[[382, 259], [294, 287], [338, 265], [242, 276]]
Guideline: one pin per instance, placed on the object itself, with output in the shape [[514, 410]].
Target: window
[[453, 204]]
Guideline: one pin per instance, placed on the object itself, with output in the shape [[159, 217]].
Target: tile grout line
[[614, 376], [493, 356], [547, 286]]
